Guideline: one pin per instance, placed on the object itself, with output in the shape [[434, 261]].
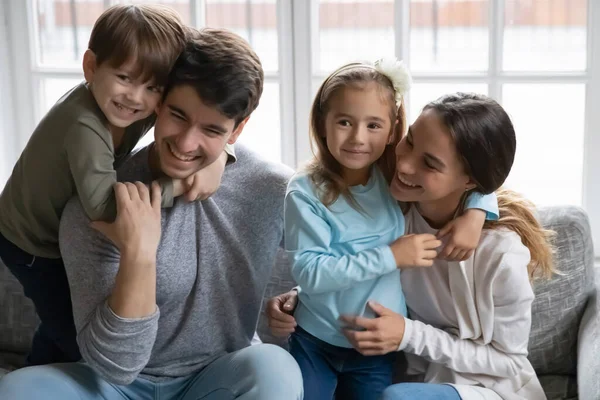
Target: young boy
[[75, 150]]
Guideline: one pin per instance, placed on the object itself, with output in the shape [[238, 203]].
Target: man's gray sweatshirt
[[213, 264]]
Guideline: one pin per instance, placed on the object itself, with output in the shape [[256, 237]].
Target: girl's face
[[428, 166], [358, 127]]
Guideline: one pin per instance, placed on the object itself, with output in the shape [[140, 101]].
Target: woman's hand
[[279, 311], [382, 335]]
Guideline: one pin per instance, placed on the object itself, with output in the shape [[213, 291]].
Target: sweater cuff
[[126, 325], [166, 188], [408, 331], [389, 262]]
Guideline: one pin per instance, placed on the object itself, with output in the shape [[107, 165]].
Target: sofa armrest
[[588, 349]]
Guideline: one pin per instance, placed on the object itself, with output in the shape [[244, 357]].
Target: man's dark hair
[[223, 69]]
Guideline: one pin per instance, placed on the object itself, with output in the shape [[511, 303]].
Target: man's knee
[[276, 372], [31, 383]]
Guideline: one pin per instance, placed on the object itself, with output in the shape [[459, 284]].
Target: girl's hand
[[464, 233], [415, 250]]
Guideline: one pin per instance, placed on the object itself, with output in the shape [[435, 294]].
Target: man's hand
[[205, 182], [136, 230], [415, 250], [464, 233], [279, 311], [382, 335]]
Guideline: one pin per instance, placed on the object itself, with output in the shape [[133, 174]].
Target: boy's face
[[190, 135], [123, 99]]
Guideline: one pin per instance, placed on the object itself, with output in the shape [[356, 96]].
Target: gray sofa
[[565, 337]]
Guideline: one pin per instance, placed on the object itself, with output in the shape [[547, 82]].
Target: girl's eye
[[374, 126], [123, 77], [344, 122]]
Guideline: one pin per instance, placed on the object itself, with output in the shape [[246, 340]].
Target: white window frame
[[297, 37]]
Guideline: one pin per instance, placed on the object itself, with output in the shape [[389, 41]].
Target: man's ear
[[237, 131], [89, 65]]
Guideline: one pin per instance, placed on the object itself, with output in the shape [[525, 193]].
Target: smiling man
[[178, 320]]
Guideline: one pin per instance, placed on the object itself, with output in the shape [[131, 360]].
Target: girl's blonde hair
[[324, 170]]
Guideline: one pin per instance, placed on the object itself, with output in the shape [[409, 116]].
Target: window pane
[[545, 35], [353, 31], [422, 93], [64, 27], [449, 35], [255, 20], [52, 89], [263, 131], [549, 122]]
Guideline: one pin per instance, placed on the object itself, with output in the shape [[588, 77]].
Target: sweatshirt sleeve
[[117, 348], [503, 353], [485, 202], [315, 268], [91, 162]]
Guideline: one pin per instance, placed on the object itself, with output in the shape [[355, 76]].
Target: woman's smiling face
[[428, 166]]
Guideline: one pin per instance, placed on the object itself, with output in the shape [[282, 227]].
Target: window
[[62, 27], [536, 57]]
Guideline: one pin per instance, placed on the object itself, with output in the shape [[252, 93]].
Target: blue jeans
[[329, 371], [421, 391], [260, 372], [44, 281]]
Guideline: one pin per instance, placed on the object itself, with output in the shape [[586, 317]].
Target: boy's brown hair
[[151, 35]]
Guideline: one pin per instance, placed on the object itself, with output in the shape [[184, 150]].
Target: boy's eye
[[155, 89]]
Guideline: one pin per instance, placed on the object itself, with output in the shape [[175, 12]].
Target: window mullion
[[25, 90], [591, 166], [285, 51], [402, 37], [496, 48], [305, 27], [197, 13]]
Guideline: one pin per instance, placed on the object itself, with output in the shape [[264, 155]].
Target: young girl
[[345, 230]]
